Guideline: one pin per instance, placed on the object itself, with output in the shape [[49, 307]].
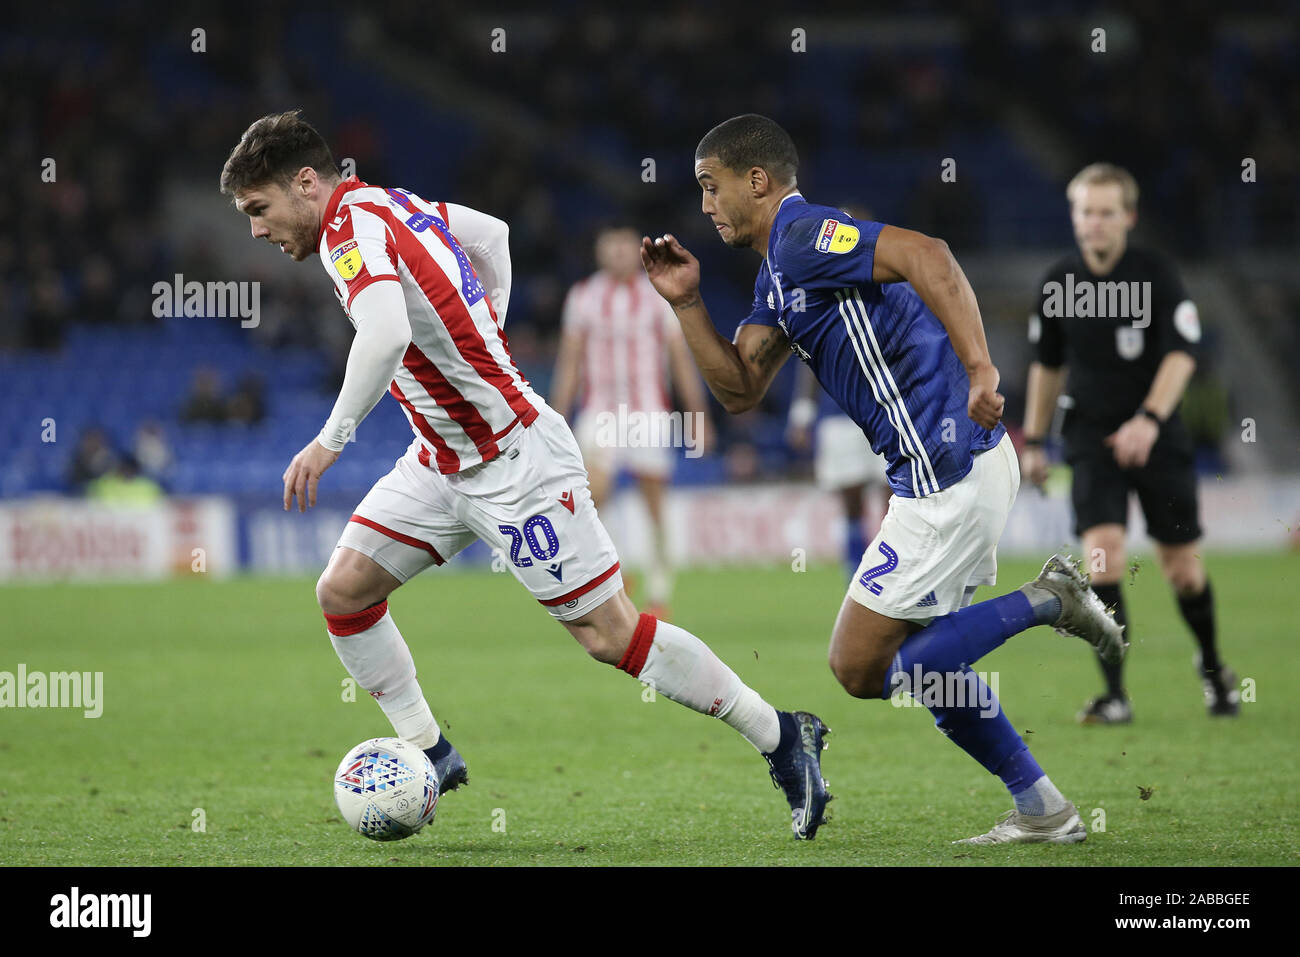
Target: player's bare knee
[[332, 598], [863, 683], [1185, 577], [860, 681], [585, 635], [1182, 569], [606, 631], [1103, 558], [588, 635], [338, 592]]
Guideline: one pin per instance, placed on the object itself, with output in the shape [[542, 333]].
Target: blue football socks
[[933, 665], [855, 543], [963, 637]]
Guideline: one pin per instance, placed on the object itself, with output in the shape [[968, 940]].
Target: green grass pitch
[[226, 697]]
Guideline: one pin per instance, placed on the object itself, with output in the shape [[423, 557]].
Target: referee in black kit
[[1118, 318]]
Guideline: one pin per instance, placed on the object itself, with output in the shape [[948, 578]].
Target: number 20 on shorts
[[540, 536]]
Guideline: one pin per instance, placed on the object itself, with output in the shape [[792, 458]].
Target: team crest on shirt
[[1129, 342], [836, 237], [347, 259], [1187, 321]]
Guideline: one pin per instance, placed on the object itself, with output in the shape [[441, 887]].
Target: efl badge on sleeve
[[347, 259], [1129, 342], [836, 237], [1187, 321]]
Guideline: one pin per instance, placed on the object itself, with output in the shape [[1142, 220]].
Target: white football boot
[[1082, 613], [1063, 827]]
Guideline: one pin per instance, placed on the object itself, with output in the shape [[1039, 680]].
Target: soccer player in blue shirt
[[889, 325]]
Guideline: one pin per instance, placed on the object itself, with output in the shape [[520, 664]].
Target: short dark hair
[[273, 149], [744, 142]]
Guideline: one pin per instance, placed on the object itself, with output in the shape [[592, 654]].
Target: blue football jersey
[[876, 348]]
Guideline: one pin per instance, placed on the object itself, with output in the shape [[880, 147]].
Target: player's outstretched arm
[[738, 373], [568, 372], [1041, 393], [803, 409], [687, 383], [904, 255], [383, 335], [486, 241]]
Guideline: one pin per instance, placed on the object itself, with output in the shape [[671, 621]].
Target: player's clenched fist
[[673, 271], [303, 474], [1033, 465], [1132, 442], [985, 404]]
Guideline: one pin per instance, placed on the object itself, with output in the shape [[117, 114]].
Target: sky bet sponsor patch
[[836, 237], [347, 259]]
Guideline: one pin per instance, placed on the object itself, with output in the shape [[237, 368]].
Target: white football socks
[[1040, 798], [659, 575], [375, 654], [668, 658], [683, 669]]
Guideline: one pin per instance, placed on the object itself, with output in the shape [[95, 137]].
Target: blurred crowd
[[246, 405], [121, 111], [1183, 104], [137, 475], [107, 109], [81, 240]]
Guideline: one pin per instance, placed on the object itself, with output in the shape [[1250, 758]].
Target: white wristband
[[335, 438]]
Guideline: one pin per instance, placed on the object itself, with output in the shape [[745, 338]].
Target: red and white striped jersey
[[626, 326], [457, 384]]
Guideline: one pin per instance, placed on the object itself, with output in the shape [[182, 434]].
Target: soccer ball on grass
[[386, 789]]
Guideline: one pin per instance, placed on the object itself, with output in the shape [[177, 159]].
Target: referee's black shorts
[[1166, 487]]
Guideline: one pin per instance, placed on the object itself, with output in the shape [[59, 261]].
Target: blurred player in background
[[426, 286], [1130, 352], [618, 340], [843, 463], [890, 326]]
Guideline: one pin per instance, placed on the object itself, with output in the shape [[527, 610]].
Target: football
[[386, 789]]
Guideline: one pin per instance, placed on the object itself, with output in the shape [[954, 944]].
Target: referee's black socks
[[1113, 671], [1198, 612]]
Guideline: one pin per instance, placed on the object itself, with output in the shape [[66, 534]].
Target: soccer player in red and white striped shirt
[[618, 341], [426, 286]]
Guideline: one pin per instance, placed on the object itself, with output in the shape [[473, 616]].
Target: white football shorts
[[530, 503], [930, 550], [843, 457], [613, 443]]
